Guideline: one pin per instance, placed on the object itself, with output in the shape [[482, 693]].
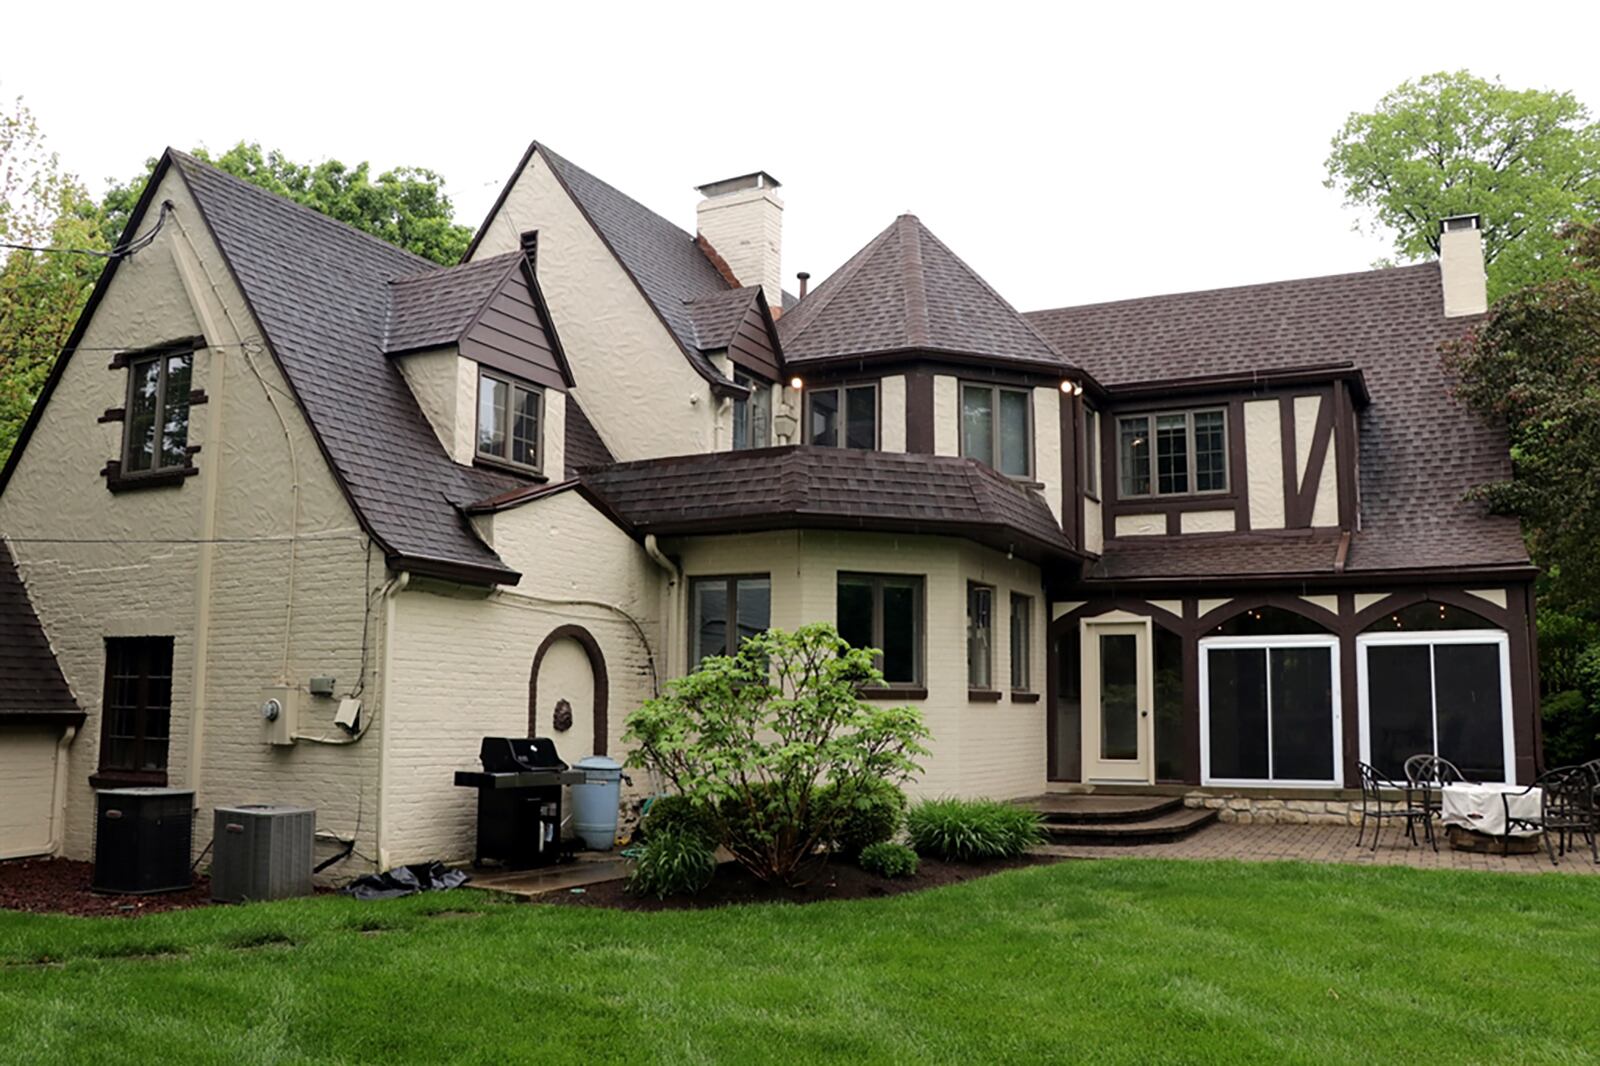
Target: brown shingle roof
[[715, 318], [906, 291], [584, 448], [435, 307], [829, 488], [1421, 450], [31, 684]]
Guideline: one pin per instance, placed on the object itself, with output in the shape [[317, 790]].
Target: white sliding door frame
[[1268, 644]]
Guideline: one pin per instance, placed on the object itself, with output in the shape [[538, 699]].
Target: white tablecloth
[[1479, 807]]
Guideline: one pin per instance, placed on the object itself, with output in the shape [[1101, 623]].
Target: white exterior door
[[1118, 733]]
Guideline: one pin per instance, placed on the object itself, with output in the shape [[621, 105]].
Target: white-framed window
[[1269, 711], [1173, 453], [997, 427], [1441, 692]]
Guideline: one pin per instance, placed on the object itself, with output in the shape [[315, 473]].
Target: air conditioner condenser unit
[[261, 851]]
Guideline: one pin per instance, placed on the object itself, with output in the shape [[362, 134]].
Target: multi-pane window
[[1021, 642], [884, 611], [156, 424], [996, 428], [843, 416], [1173, 453], [137, 709], [980, 636], [752, 415], [1091, 451], [509, 414], [725, 612]]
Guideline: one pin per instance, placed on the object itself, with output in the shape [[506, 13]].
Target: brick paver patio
[[1325, 843]]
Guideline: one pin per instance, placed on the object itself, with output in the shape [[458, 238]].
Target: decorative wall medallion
[[562, 719]]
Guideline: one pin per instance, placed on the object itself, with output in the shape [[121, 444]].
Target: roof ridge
[[833, 284], [1404, 268], [441, 271], [916, 288], [186, 159], [552, 154]]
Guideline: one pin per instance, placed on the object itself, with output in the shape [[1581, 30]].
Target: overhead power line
[[121, 251]]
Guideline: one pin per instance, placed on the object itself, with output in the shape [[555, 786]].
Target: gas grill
[[519, 800]]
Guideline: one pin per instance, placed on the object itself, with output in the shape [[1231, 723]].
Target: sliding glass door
[[1439, 693], [1269, 710]]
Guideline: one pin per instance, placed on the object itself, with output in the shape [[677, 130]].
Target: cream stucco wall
[[979, 748], [1263, 446], [446, 388], [1206, 522], [632, 379], [1047, 445], [250, 587], [27, 788], [1139, 525], [461, 659], [1094, 532], [892, 413], [946, 415]]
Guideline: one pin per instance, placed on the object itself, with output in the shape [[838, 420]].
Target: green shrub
[[673, 864], [888, 860], [871, 813], [668, 815], [958, 830]]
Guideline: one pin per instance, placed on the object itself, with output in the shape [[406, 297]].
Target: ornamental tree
[[775, 744]]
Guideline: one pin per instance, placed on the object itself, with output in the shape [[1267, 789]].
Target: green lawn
[[1118, 961]]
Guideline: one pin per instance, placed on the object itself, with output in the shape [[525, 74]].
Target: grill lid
[[509, 755]]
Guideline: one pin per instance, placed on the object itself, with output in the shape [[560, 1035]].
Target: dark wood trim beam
[[919, 412], [1238, 467], [1291, 472]]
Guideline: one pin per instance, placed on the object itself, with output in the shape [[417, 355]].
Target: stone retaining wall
[[1250, 810]]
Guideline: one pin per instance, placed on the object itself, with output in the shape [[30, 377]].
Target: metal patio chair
[[1379, 808], [1566, 810], [1428, 774]]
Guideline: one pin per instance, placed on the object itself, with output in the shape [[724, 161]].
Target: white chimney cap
[[759, 179], [1455, 222]]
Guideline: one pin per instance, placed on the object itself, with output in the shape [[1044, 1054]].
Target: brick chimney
[[1461, 266], [742, 219]]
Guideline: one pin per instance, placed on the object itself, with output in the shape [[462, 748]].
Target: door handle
[[1144, 714]]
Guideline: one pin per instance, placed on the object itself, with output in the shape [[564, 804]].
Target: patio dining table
[[1478, 806]]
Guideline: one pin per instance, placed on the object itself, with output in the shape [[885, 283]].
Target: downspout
[[395, 586], [674, 598], [58, 810]]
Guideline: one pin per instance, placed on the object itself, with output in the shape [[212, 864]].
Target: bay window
[[1173, 453], [997, 429], [884, 611], [725, 612], [980, 636], [1021, 642], [752, 414], [842, 416]]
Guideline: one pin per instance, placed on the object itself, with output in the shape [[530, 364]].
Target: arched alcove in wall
[[569, 667]]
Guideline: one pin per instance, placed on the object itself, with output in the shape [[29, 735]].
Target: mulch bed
[[61, 886], [733, 884]]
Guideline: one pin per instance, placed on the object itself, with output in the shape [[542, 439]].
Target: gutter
[[58, 810], [675, 597], [395, 586]]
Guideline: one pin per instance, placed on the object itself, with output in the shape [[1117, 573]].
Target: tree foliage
[[1450, 144], [775, 744]]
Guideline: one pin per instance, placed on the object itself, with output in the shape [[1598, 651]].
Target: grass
[[1116, 961]]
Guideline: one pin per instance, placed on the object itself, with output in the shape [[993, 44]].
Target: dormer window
[[510, 414], [1173, 453], [752, 415], [996, 428]]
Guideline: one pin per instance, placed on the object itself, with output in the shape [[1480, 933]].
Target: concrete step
[[1080, 809], [1161, 829]]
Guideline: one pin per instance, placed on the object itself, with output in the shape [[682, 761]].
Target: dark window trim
[[1027, 647], [984, 695], [731, 588], [113, 471], [974, 587], [962, 385], [512, 383], [919, 617], [1151, 418], [841, 429], [111, 776], [892, 692]]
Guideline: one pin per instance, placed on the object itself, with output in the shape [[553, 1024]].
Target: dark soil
[[61, 886], [835, 880]]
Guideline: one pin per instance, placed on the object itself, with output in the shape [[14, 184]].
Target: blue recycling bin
[[595, 803]]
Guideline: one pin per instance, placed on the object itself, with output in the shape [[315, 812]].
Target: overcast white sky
[[1068, 156]]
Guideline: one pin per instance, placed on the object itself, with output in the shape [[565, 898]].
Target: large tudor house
[[1215, 544]]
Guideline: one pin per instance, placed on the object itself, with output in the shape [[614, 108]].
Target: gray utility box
[[261, 851]]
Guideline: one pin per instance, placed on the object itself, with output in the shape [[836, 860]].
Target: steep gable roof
[[907, 291], [31, 684], [320, 291], [435, 307], [1421, 450]]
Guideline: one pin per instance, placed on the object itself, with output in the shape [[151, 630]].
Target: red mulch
[[835, 880], [61, 886]]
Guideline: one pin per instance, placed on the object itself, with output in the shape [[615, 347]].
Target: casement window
[[1021, 643], [997, 428], [752, 415], [980, 636], [1438, 692], [156, 422], [1173, 453], [1091, 451], [843, 416], [1269, 711], [136, 711], [884, 611], [510, 417], [725, 612]]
